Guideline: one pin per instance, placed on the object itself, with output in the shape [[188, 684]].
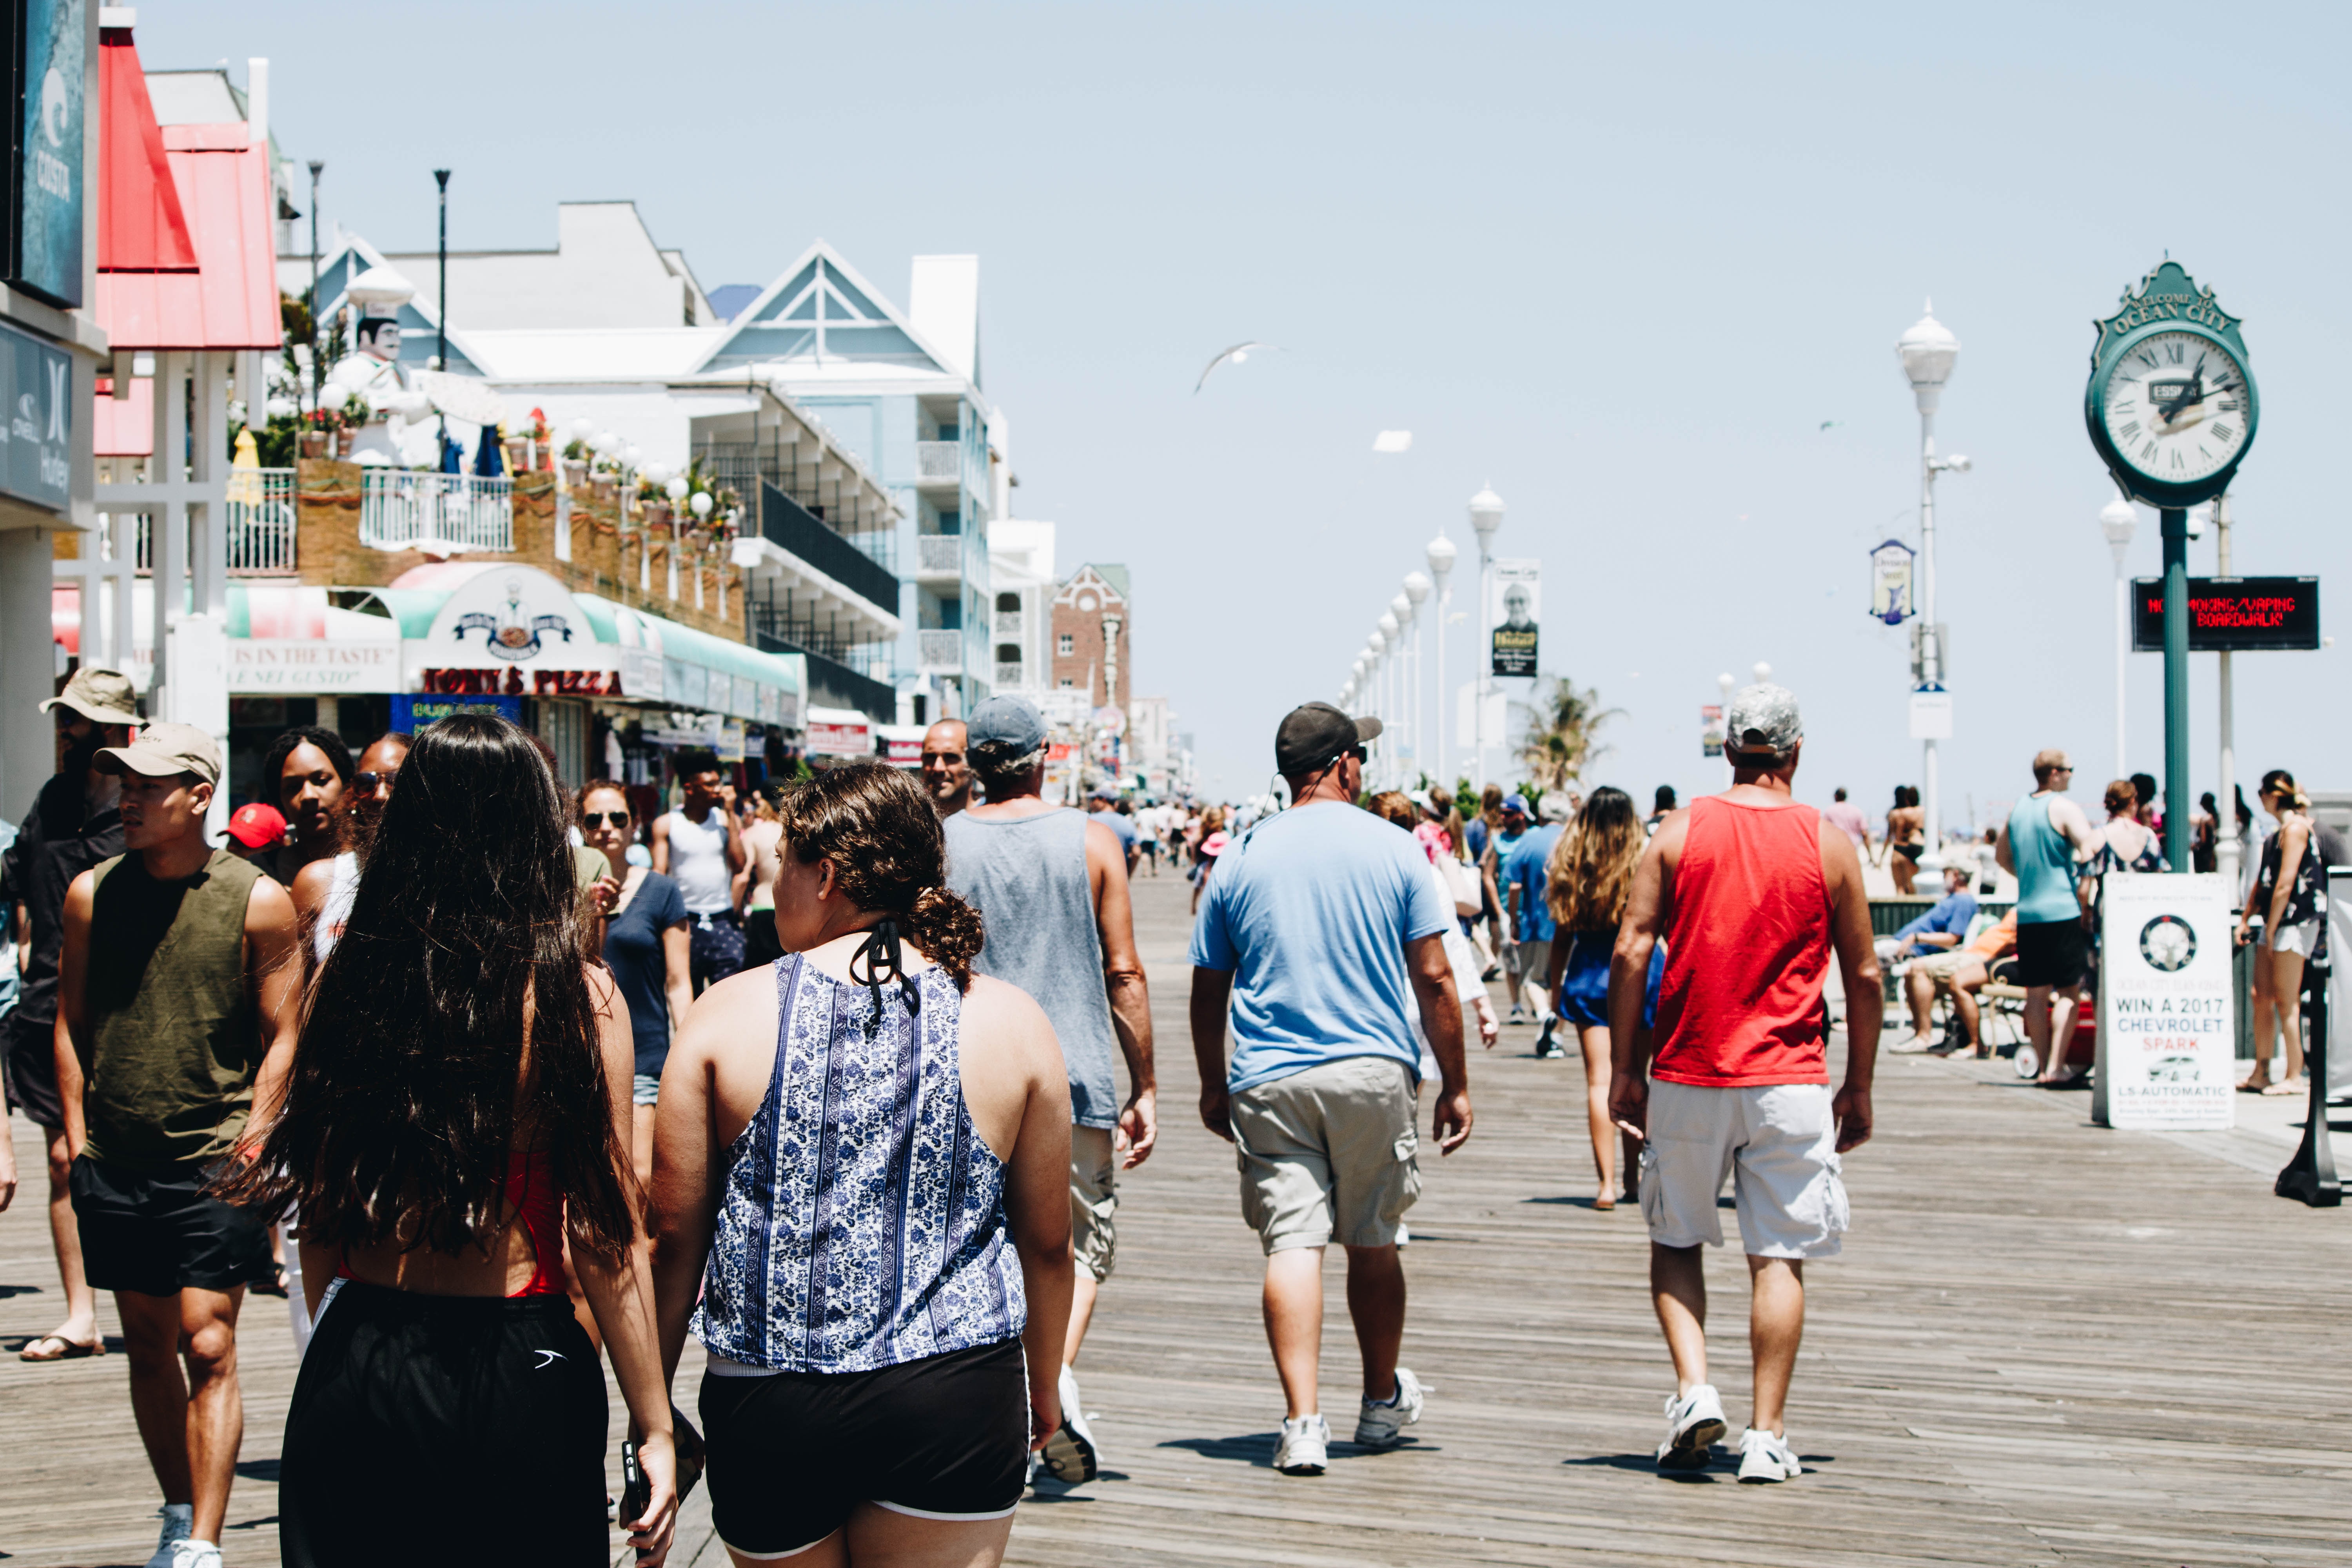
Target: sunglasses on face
[[597, 818], [369, 782]]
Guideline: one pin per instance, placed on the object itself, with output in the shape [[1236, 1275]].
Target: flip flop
[[2252, 1085], [66, 1349], [2282, 1089]]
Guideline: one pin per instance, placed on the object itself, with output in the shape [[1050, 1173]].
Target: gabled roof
[[184, 239], [420, 323], [1110, 581], [821, 312]]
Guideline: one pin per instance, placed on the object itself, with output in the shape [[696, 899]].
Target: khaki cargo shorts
[[1328, 1155], [1094, 1200]]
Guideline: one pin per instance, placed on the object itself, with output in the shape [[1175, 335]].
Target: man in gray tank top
[[1051, 887]]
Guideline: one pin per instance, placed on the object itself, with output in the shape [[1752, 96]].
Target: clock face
[[2177, 407]]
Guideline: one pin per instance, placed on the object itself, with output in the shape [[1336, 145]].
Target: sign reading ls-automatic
[[2232, 613]]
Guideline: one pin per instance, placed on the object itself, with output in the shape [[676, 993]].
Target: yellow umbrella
[[244, 472]]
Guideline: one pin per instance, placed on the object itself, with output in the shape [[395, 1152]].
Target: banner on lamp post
[[1514, 616], [1890, 582]]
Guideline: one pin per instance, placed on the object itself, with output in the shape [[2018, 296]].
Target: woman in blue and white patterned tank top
[[861, 1166]]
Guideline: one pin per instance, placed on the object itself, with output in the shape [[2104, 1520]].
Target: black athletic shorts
[[160, 1233], [478, 1420], [793, 1453], [2051, 952], [28, 1068]]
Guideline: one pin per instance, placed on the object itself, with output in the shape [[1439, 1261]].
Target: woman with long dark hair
[[1588, 882], [861, 1168], [646, 947], [458, 1107], [2285, 918]]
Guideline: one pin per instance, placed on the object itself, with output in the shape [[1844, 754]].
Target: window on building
[[1008, 653], [1065, 646], [1068, 685], [1008, 604], [950, 522]]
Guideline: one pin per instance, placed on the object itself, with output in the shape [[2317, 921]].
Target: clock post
[[2172, 410]]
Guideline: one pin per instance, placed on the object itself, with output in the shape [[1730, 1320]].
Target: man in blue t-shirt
[[1941, 929], [1522, 879], [1104, 808], [1319, 926]]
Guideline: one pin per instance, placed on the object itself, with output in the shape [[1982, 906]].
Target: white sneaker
[[193, 1553], [1305, 1447], [1070, 1455], [1912, 1047], [1518, 1014], [179, 1521], [1381, 1426], [1694, 1423], [1764, 1456]]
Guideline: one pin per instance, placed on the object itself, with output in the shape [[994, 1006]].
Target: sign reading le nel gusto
[[2168, 1045]]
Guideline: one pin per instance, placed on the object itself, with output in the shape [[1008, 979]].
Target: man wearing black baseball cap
[[1321, 927]]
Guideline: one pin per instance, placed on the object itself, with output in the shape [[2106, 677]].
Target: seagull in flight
[[1832, 424], [1236, 353]]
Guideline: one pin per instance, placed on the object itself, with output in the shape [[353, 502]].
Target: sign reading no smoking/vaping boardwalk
[[2166, 1043]]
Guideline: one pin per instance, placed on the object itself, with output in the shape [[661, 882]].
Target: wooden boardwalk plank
[[2047, 1344]]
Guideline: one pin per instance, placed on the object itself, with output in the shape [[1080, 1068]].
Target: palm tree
[[1559, 741]]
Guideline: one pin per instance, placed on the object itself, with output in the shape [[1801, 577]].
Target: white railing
[[1008, 623], [940, 552], [399, 508], [938, 459], [261, 528], [1008, 675], [939, 650]]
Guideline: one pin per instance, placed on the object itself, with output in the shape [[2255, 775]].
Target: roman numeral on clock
[[2130, 432], [2223, 434]]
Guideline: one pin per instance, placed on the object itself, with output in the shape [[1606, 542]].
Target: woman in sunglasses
[[645, 947]]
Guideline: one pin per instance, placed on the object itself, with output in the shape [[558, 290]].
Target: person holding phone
[[458, 1110], [1751, 893], [861, 1175]]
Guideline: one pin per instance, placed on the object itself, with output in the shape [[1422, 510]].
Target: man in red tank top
[[1750, 892]]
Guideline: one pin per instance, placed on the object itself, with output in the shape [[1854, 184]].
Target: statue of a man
[[398, 414]]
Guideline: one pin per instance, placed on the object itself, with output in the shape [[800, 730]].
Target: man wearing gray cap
[[176, 988], [1051, 888], [1750, 891], [1321, 925], [74, 823]]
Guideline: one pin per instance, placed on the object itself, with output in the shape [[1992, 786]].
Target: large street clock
[[2171, 404]]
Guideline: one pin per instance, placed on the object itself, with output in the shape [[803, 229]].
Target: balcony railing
[[940, 651], [1008, 624], [939, 554], [782, 622], [938, 461], [1008, 675], [793, 529], [261, 521], [744, 465], [455, 511]]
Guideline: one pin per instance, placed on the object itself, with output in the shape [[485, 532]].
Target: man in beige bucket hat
[[73, 825]]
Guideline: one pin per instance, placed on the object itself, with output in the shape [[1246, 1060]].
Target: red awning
[[186, 251], [141, 228]]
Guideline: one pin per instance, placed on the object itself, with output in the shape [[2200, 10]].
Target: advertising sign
[[36, 421], [1514, 616], [411, 712], [1710, 731], [47, 62], [304, 666], [2235, 613], [2168, 1047], [1931, 715], [1890, 582], [840, 740]]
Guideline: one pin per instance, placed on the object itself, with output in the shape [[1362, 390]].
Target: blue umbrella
[[453, 456], [489, 456]]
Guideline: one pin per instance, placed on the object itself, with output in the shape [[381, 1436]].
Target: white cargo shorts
[[1777, 1143]]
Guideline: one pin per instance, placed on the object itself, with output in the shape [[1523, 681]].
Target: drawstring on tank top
[[883, 966]]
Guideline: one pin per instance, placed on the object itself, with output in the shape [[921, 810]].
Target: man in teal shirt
[[2045, 836]]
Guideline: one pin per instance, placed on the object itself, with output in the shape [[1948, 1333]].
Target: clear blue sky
[[1623, 269]]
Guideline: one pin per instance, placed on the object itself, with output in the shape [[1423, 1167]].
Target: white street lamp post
[[1390, 659], [1441, 553], [1408, 683], [2118, 522], [1926, 354], [1416, 589], [1486, 517]]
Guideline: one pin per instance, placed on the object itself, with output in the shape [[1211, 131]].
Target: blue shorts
[[1583, 998]]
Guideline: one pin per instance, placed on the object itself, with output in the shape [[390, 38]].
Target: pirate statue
[[396, 431]]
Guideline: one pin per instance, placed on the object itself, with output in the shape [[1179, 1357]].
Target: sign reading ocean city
[[2236, 614], [1517, 609]]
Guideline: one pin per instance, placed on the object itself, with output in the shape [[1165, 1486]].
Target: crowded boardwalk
[[2046, 1343]]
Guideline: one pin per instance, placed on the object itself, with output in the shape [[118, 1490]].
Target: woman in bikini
[[1906, 839]]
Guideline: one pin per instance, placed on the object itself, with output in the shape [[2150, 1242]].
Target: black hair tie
[[883, 966]]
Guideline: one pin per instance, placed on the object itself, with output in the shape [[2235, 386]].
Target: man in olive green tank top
[[175, 1032]]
